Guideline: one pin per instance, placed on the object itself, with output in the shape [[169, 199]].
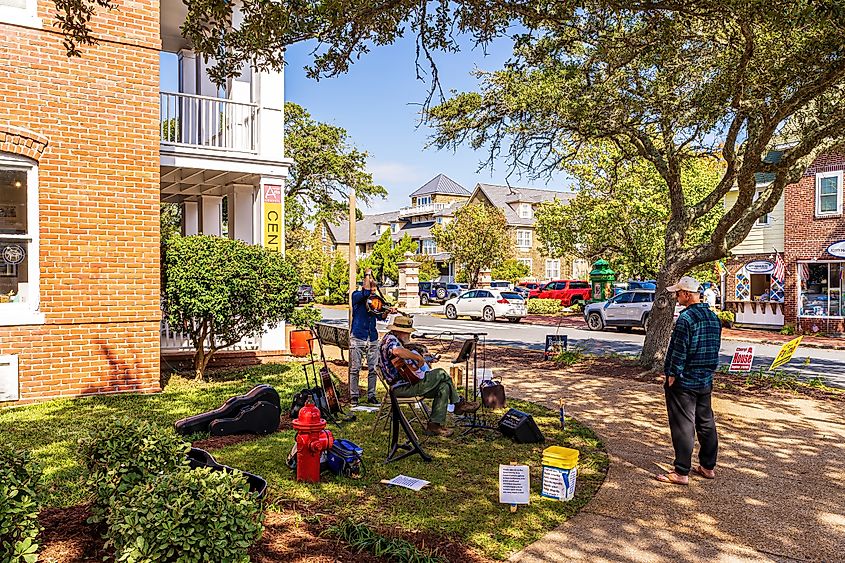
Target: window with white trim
[[394, 227], [525, 211], [425, 200], [20, 12], [828, 194], [552, 269], [528, 262], [429, 246], [523, 238], [19, 272], [764, 219]]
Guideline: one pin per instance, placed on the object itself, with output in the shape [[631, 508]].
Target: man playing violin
[[433, 383], [364, 339]]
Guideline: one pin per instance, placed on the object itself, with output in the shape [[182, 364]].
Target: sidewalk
[[780, 481]]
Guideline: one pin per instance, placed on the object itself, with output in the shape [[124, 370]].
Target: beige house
[[519, 206]]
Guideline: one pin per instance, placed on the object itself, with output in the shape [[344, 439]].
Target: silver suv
[[626, 310]]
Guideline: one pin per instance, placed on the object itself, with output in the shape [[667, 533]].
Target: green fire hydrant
[[602, 278]]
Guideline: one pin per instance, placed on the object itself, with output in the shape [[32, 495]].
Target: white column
[[212, 215], [241, 213], [270, 89], [190, 218], [187, 72]]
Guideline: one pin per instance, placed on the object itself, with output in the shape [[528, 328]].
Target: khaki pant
[[436, 385]]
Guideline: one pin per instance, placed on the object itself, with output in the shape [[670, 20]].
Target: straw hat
[[402, 324]]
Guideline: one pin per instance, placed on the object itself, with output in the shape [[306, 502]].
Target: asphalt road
[[826, 363]]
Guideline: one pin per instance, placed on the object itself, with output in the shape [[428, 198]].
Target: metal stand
[[474, 421], [412, 443]]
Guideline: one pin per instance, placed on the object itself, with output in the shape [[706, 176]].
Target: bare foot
[[673, 478], [706, 473]]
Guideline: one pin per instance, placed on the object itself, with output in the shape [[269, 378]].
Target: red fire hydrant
[[311, 440]]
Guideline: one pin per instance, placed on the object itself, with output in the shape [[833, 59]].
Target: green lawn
[[461, 502]]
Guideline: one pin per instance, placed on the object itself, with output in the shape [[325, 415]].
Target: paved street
[[829, 364]]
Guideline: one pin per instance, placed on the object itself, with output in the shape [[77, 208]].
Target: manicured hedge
[[543, 306], [20, 503]]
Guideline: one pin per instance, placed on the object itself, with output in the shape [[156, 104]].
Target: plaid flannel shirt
[[693, 353]]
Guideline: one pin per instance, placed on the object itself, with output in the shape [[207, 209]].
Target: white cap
[[686, 283]]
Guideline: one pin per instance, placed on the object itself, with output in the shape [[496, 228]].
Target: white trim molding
[[820, 177]]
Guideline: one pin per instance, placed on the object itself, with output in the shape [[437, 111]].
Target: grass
[[570, 356], [461, 502]]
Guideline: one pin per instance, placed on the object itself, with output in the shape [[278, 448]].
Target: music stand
[[469, 349]]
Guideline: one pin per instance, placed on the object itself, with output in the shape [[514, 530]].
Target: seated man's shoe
[[434, 429], [353, 401], [372, 401], [465, 407]]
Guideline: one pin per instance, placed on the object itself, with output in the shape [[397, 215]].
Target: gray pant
[[357, 349]]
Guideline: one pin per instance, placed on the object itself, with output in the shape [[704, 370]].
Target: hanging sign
[[514, 484], [743, 358], [786, 352], [760, 267], [272, 226], [14, 254], [837, 249]]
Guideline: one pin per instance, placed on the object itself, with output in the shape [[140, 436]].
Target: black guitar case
[[200, 458], [260, 418], [230, 409]]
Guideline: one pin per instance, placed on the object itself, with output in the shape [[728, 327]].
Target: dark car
[[438, 292], [305, 294]]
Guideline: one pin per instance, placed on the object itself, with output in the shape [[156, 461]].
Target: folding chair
[[419, 410]]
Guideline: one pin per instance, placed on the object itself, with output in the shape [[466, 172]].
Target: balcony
[[426, 209], [206, 123]]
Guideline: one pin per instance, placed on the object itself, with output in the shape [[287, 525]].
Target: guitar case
[[230, 409], [200, 458], [260, 418]]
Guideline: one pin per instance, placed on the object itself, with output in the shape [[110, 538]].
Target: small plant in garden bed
[[570, 356], [543, 306], [20, 502], [727, 318], [361, 537]]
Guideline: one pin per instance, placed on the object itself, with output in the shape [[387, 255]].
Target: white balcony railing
[[421, 209], [173, 341], [209, 123]]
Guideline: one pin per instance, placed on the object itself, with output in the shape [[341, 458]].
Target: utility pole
[[353, 264]]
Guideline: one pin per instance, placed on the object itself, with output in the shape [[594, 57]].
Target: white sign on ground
[[743, 358], [514, 484]]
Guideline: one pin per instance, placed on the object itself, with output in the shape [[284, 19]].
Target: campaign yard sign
[[743, 358], [785, 354]]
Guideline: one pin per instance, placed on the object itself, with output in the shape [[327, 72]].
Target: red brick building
[[814, 241]]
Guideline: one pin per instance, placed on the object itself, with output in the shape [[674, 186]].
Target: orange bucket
[[299, 342]]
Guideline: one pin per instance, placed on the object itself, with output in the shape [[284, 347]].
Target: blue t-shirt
[[363, 322]]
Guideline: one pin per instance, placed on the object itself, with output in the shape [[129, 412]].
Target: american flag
[[780, 268]]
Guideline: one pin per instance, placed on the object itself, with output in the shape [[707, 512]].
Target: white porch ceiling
[[180, 184]]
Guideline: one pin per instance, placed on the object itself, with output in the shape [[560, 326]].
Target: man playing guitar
[[432, 383]]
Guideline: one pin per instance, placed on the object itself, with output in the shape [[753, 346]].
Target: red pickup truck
[[565, 291]]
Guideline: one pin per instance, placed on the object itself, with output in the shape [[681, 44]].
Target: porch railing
[[174, 341], [210, 123]]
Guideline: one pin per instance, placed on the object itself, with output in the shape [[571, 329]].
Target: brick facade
[[91, 125], [807, 237]]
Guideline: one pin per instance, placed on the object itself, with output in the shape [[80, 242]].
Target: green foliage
[[170, 218], [325, 167], [477, 239], [621, 211], [543, 306], [304, 250], [332, 287], [570, 356], [123, 453], [21, 482], [428, 267], [386, 255], [361, 537], [305, 317], [788, 329], [219, 291], [187, 515], [727, 318], [511, 270]]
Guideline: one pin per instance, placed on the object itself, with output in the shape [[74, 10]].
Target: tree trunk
[[660, 319], [199, 362]]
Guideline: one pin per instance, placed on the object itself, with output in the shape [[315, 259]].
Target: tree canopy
[[511, 270], [386, 255], [477, 239]]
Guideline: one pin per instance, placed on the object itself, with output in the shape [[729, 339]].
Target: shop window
[[18, 241], [821, 289], [761, 285], [829, 194]]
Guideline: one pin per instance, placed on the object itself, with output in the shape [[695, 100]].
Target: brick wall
[[735, 264], [807, 237], [91, 123]]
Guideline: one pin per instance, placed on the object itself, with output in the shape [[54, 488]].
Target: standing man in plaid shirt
[[692, 358]]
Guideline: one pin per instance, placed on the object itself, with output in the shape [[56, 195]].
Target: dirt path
[[779, 494]]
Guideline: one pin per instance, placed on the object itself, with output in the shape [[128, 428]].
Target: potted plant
[[303, 319]]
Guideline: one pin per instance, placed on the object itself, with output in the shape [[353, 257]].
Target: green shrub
[[124, 453], [788, 329], [361, 537], [577, 307], [20, 503], [305, 317], [569, 357], [728, 318], [543, 306], [189, 515]]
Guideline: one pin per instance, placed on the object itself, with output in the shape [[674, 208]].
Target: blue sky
[[378, 103]]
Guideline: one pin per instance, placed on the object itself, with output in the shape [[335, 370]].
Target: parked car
[[529, 285], [522, 290], [305, 294], [568, 292], [438, 292], [501, 284], [626, 310], [487, 304]]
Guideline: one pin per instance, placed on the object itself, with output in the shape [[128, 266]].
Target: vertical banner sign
[[273, 217], [743, 358], [786, 353]]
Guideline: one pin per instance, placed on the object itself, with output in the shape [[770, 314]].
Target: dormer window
[[394, 227], [525, 211]]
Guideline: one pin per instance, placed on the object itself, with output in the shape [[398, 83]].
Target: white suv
[[626, 310], [487, 304]]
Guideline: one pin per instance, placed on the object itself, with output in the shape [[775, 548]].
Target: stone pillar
[[409, 279], [484, 278]]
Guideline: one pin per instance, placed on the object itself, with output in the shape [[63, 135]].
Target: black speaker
[[520, 427]]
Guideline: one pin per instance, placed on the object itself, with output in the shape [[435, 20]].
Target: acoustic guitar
[[329, 389], [407, 368]]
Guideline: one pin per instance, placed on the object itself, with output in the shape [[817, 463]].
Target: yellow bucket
[[558, 456]]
